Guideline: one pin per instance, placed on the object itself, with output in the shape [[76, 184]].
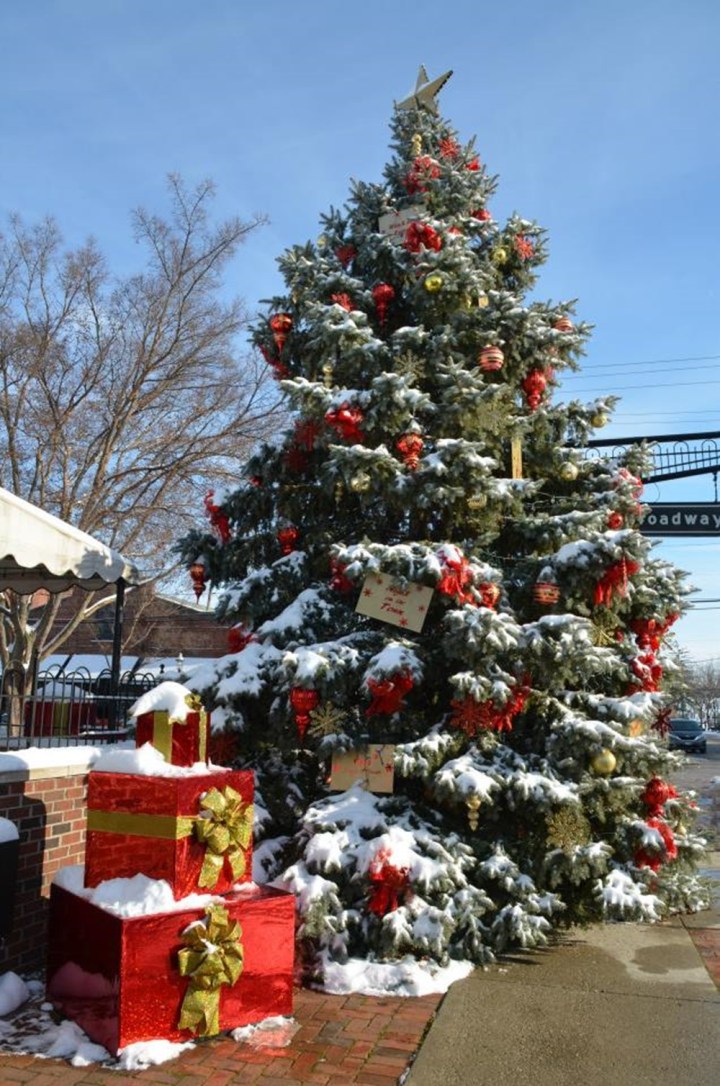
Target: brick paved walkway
[[342, 1041]]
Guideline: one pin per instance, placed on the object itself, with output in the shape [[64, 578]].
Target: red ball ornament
[[382, 295], [345, 420], [546, 593], [287, 538], [303, 702], [410, 446], [563, 324], [198, 573], [482, 215], [281, 326], [534, 386], [491, 358], [615, 521]]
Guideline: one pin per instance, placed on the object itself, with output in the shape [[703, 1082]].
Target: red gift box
[[153, 826], [182, 742], [119, 978]]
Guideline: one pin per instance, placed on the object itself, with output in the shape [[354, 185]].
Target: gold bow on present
[[225, 828], [212, 956]]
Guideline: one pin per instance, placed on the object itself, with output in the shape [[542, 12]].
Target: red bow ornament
[[654, 860], [418, 236], [345, 420], [217, 517], [614, 580], [657, 793], [388, 694], [456, 578], [388, 883]]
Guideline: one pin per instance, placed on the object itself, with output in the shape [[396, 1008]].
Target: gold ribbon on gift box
[[163, 724], [213, 956], [225, 827]]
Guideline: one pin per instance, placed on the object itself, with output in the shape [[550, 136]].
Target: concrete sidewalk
[[616, 1005]]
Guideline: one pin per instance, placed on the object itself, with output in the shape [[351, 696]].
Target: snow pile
[[8, 831], [406, 977], [13, 993], [169, 697], [146, 761], [138, 896], [276, 1032]]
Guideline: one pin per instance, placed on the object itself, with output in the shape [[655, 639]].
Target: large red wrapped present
[[182, 742], [193, 831], [172, 975]]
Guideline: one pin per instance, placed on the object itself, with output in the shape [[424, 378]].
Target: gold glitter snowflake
[[408, 364], [603, 630], [327, 719], [567, 828]]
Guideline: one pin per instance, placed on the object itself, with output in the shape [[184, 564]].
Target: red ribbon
[[648, 672]]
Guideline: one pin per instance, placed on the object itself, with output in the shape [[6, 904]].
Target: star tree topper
[[426, 91]]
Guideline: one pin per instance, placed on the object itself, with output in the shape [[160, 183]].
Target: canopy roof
[[38, 550]]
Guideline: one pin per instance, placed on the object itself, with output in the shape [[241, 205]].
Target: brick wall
[[49, 809]]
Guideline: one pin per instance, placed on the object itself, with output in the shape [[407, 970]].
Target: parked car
[[688, 735]]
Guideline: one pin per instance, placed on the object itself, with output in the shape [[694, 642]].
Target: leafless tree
[[120, 400], [703, 691]]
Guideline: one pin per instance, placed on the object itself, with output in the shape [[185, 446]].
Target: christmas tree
[[429, 574]]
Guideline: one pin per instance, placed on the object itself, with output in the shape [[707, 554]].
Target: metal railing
[[68, 707]]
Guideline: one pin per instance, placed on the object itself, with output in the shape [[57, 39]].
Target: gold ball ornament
[[483, 301], [569, 471], [499, 256], [599, 419], [603, 763], [360, 482], [477, 501], [433, 283]]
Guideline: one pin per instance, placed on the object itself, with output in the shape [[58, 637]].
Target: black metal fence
[[68, 707]]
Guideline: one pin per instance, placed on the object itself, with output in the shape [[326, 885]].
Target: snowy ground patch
[[406, 977]]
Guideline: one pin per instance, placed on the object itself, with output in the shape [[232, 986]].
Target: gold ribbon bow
[[225, 828], [212, 956]]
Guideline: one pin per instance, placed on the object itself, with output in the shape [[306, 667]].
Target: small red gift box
[[182, 742], [195, 832], [123, 979]]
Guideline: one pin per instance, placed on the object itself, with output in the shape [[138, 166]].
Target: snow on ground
[[406, 977], [33, 1029]]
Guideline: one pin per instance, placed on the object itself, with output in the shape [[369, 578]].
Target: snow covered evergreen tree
[[523, 718]]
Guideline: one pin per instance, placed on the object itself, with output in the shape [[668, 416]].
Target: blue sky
[[599, 117]]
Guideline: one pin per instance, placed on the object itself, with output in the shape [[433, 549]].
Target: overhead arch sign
[[682, 518]]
